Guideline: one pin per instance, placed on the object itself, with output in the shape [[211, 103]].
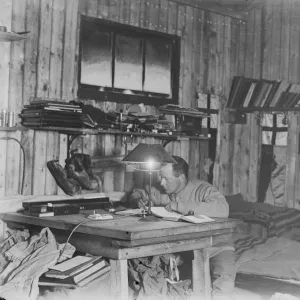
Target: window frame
[[116, 95], [275, 129]]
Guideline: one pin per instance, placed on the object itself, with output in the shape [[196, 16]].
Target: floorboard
[[266, 287]]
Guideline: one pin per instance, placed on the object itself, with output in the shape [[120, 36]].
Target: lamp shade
[[143, 153]]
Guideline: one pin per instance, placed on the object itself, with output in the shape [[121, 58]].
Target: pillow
[[236, 202]]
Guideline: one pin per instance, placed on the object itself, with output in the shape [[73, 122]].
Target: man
[[184, 195]]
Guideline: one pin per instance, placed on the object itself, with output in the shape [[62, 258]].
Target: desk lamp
[[148, 158]]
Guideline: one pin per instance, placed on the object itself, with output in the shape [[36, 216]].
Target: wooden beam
[[106, 163], [214, 7]]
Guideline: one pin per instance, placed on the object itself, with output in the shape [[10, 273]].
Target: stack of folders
[[46, 112], [75, 272]]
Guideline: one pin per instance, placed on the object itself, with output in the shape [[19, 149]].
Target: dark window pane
[[158, 67], [128, 63], [96, 58]]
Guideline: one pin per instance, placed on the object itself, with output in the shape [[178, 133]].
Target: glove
[[79, 168], [68, 185]]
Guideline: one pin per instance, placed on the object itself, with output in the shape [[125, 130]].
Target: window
[[123, 63], [274, 130]]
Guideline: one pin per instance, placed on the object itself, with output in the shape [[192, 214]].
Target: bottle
[[11, 119]]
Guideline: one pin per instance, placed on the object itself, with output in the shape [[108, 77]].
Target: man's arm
[[140, 197], [207, 200]]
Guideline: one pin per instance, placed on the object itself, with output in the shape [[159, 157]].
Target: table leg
[[201, 274], [119, 279]]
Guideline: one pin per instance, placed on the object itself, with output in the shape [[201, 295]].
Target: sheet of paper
[[198, 219], [171, 215], [136, 211], [163, 213]]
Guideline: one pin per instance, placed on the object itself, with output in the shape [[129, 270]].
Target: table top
[[126, 228]]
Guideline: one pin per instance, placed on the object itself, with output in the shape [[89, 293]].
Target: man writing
[[184, 195]]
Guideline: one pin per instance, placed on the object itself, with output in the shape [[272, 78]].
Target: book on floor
[[73, 266], [71, 282], [174, 216]]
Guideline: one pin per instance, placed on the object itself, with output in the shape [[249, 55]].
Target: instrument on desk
[[64, 206], [83, 203]]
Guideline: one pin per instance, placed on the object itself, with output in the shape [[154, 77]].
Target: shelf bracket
[[166, 142], [70, 140]]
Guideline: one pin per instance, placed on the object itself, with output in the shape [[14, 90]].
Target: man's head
[[174, 176]]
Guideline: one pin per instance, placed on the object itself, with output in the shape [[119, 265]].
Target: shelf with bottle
[[14, 128], [11, 36]]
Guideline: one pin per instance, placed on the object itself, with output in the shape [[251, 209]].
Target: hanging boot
[[68, 185], [79, 168]]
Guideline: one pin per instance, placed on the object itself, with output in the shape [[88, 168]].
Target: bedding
[[267, 242]]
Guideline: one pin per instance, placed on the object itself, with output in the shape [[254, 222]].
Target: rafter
[[237, 9]]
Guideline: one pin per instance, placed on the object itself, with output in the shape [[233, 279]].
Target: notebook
[[174, 216]]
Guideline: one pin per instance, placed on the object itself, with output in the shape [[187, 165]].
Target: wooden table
[[124, 238]]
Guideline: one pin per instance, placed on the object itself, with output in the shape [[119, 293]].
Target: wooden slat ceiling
[[234, 8]]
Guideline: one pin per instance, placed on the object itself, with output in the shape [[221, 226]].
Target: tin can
[[11, 119], [3, 117]]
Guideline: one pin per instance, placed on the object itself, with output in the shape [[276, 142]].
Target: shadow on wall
[[272, 175]]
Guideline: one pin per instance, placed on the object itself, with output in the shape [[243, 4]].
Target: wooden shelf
[[11, 37], [16, 128], [87, 131], [263, 109]]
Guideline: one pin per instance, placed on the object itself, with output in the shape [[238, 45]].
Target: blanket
[[278, 257], [267, 240], [271, 221]]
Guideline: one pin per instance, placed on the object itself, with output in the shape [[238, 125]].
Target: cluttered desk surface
[[128, 228]]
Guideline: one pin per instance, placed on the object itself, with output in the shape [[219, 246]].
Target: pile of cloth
[[157, 277], [24, 258]]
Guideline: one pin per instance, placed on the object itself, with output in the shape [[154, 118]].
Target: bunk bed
[[268, 241]]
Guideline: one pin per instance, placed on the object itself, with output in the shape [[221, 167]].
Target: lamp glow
[[150, 164], [150, 157]]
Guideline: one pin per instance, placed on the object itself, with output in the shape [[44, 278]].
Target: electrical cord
[[24, 164], [84, 222]]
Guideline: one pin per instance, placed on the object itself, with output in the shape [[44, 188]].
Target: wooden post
[[118, 279], [201, 274]]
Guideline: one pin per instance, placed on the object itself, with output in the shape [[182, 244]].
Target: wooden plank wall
[[212, 51], [271, 52]]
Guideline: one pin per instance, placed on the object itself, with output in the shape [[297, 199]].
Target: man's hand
[[172, 206], [138, 198]]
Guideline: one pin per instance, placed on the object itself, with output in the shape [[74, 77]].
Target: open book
[[174, 216]]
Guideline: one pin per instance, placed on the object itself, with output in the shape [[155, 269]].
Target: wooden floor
[[266, 287], [248, 287]]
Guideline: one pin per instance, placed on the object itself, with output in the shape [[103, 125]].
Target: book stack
[[45, 113], [75, 272], [262, 93]]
